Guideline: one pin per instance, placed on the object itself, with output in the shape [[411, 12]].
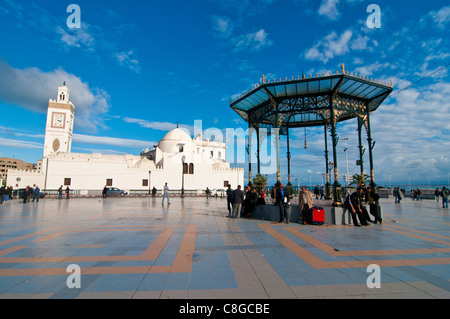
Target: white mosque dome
[[172, 141]]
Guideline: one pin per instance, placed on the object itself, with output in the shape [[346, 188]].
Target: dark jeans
[[356, 216], [229, 206], [283, 212], [374, 213], [307, 214]]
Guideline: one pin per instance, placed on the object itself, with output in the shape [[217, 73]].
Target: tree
[[260, 183], [358, 179]]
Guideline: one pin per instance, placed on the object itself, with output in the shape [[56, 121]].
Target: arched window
[[191, 169], [185, 168]]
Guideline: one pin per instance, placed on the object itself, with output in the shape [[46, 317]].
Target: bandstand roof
[[306, 101]]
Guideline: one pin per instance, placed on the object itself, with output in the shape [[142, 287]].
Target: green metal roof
[[344, 85]]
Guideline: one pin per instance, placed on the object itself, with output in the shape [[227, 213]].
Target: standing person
[[60, 191], [317, 192], [166, 194], [419, 194], [247, 201], [207, 192], [154, 190], [396, 195], [67, 192], [283, 202], [104, 192], [26, 192], [437, 194], [238, 199], [37, 192], [2, 194], [306, 203], [373, 199], [253, 194], [322, 192], [229, 200], [444, 194]]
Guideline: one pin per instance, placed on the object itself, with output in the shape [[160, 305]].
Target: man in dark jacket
[[238, 199], [229, 200], [283, 201], [353, 204]]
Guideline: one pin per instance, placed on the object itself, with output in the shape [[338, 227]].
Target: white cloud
[[223, 26], [442, 17], [127, 59], [20, 144], [159, 126], [252, 42], [111, 141], [331, 46], [77, 38], [370, 69], [32, 88], [329, 9]]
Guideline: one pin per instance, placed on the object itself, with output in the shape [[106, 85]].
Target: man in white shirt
[[166, 194]]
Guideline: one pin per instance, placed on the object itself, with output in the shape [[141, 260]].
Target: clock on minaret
[[58, 120], [60, 116]]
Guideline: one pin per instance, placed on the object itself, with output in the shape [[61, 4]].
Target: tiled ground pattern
[[137, 248]]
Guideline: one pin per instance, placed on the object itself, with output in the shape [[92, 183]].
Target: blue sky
[[136, 68]]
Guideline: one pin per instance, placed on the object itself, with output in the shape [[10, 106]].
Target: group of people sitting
[[354, 203]]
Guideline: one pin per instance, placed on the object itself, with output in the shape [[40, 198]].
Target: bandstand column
[[250, 134], [361, 147], [336, 185], [371, 147], [277, 144], [288, 155], [328, 184], [258, 154]]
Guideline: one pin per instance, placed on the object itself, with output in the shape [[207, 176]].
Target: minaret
[[60, 118]]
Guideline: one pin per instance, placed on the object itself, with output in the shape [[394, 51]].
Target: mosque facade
[[192, 164]]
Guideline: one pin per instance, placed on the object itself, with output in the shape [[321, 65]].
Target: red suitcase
[[318, 216]]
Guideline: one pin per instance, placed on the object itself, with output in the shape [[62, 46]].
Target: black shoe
[[357, 225]]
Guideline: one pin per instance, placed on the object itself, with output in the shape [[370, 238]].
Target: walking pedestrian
[[166, 194], [444, 194], [104, 192], [437, 194], [37, 193], [67, 192], [60, 191]]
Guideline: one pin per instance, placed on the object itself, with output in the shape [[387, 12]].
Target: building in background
[[192, 164]]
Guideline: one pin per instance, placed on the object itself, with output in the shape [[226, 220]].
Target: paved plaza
[[136, 248]]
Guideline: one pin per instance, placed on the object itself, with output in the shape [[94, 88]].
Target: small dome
[[170, 143], [177, 135]]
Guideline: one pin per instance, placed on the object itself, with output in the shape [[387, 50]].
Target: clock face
[[58, 120]]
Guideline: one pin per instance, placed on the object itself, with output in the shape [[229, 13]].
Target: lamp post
[[346, 158], [182, 176]]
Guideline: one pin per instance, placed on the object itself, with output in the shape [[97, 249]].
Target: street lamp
[[346, 158], [182, 174]]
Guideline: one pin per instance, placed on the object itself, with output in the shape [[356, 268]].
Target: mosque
[[191, 164]]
